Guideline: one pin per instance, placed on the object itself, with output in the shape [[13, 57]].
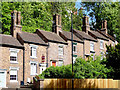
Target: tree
[[39, 15], [113, 60], [109, 11]]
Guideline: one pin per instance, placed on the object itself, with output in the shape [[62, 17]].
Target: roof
[[31, 38], [50, 36], [98, 35], [84, 35], [107, 35], [68, 36], [9, 40]]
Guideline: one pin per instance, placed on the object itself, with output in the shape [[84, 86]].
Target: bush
[[57, 72], [113, 61], [82, 69], [90, 69]]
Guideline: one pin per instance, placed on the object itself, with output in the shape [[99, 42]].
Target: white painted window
[[33, 68], [92, 56], [60, 50], [74, 48], [60, 62], [91, 46], [13, 75], [74, 59], [102, 55], [33, 51], [101, 44], [13, 55]]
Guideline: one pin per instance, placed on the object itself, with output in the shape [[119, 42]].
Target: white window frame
[[15, 69], [93, 55], [34, 54], [92, 46], [74, 59], [101, 47], [60, 50], [60, 61], [102, 55], [15, 51], [31, 73], [75, 49]]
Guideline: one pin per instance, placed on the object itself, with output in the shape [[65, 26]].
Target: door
[[2, 79], [53, 63]]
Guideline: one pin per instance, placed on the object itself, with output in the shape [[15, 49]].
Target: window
[[13, 55], [13, 75], [101, 44], [33, 52], [33, 68], [60, 62], [60, 50], [74, 48], [91, 46], [74, 59], [92, 56], [102, 55]]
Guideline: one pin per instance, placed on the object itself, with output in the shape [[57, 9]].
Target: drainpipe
[[83, 49], [23, 64], [47, 53]]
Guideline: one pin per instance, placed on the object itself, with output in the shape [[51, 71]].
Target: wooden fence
[[78, 83]]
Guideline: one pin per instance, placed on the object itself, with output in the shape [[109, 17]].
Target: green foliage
[[38, 15], [57, 72], [105, 11], [82, 69], [113, 60], [90, 69]]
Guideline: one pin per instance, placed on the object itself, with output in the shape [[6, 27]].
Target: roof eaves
[[13, 46], [35, 43]]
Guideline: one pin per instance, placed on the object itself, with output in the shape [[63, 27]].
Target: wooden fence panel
[[81, 83]]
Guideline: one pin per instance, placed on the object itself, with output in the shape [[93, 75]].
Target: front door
[[2, 79], [53, 63]]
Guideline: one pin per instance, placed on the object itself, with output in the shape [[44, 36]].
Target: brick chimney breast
[[104, 27], [15, 23], [86, 26], [57, 24]]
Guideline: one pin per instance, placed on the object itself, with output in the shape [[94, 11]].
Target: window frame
[[101, 47], [60, 48], [33, 51], [92, 43], [60, 61], [14, 69], [14, 53]]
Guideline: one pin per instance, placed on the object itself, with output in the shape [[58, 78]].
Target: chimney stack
[[104, 26], [15, 23], [56, 28], [86, 26]]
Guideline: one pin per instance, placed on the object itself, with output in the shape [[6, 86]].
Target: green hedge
[[82, 69]]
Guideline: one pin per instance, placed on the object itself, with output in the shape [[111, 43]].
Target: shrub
[[82, 69]]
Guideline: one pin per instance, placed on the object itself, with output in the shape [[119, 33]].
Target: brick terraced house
[[24, 55]]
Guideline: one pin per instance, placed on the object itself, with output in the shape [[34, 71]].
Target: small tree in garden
[[113, 60], [82, 69]]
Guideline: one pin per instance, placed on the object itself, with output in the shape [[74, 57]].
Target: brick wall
[[5, 64], [41, 50]]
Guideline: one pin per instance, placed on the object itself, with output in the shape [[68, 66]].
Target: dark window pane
[[13, 58]]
